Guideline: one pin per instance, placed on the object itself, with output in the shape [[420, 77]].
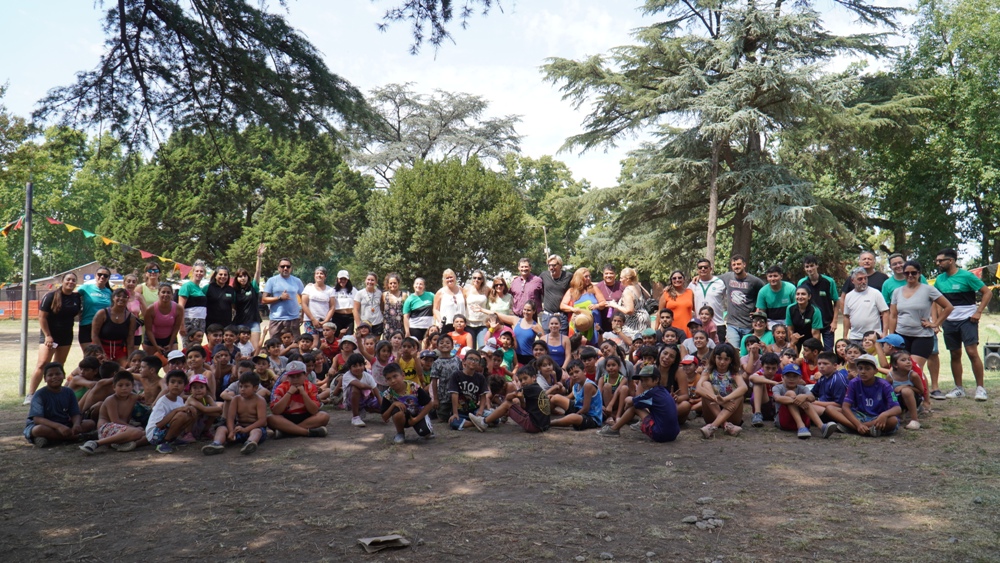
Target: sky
[[497, 57]]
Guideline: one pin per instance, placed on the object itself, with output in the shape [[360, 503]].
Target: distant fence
[[11, 310]]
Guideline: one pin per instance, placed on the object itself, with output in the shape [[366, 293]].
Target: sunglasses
[[704, 267], [152, 271], [911, 273], [284, 266], [104, 275]]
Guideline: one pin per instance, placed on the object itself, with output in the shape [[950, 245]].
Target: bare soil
[[929, 495]]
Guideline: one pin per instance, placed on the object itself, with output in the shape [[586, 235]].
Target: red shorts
[[520, 416], [785, 420], [114, 350], [647, 426]]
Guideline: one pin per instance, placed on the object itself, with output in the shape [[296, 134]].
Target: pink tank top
[[163, 324]]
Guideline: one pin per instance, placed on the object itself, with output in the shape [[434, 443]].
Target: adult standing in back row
[[282, 293], [191, 296], [555, 283], [741, 293], [961, 328], [710, 290], [611, 289], [864, 308], [526, 288]]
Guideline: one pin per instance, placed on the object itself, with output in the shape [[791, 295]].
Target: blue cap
[[791, 368], [894, 340]]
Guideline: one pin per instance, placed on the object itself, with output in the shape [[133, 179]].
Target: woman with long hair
[[449, 301], [343, 303], [113, 328], [192, 297], [136, 305], [246, 299], [583, 300], [317, 305], [912, 314], [368, 305], [803, 319], [630, 304], [418, 312], [164, 319], [393, 298], [526, 330], [56, 315], [219, 298], [150, 283], [476, 300], [500, 299], [679, 298]]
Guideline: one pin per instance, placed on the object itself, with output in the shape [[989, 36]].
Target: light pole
[[545, 237]]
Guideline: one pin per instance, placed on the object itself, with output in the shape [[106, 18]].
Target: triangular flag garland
[[53, 221], [146, 255]]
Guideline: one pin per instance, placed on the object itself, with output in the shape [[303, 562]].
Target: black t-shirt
[[246, 301], [875, 280], [63, 320], [220, 304], [469, 388], [553, 290], [536, 402]]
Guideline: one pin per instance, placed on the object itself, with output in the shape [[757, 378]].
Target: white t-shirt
[[161, 408], [366, 378], [343, 299], [711, 293], [865, 311], [319, 301], [371, 305]]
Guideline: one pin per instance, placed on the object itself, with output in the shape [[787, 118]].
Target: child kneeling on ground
[[406, 404], [654, 405], [295, 407], [246, 419], [528, 406], [793, 400]]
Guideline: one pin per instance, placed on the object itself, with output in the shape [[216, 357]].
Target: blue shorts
[[459, 423], [866, 418], [960, 333], [27, 430], [244, 436], [159, 435], [254, 327]]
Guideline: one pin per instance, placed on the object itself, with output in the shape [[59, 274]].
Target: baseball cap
[[690, 359], [758, 315], [197, 378], [343, 274], [349, 338], [894, 340], [488, 349], [261, 358], [791, 369], [294, 368], [428, 354], [646, 371], [649, 332], [330, 325], [175, 355], [867, 359], [695, 321]]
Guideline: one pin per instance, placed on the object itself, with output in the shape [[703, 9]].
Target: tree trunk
[[742, 232], [713, 204]]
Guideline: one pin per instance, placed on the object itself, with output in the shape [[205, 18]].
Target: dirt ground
[[929, 495]]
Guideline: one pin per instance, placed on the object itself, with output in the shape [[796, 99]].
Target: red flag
[[53, 221], [185, 270], [146, 255], [978, 272]]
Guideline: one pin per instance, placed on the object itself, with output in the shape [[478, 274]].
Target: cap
[[646, 371], [175, 355], [758, 315], [791, 369], [330, 325], [349, 338], [695, 321], [428, 354], [649, 332], [294, 368], [197, 378], [365, 323], [343, 274], [690, 359], [261, 357], [491, 341], [608, 336], [867, 359], [894, 340], [488, 349]]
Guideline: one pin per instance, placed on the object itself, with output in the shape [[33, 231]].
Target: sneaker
[[842, 429], [981, 394], [89, 447], [398, 438], [187, 438], [319, 432], [804, 433], [708, 431], [126, 447], [356, 421], [913, 425], [430, 436], [40, 442], [828, 429], [213, 448], [278, 434], [634, 426], [938, 395], [478, 421], [874, 431], [956, 393], [27, 398], [248, 448], [758, 420], [165, 448], [732, 429], [608, 430]]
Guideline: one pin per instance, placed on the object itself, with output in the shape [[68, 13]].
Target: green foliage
[[433, 16], [218, 198], [216, 65], [550, 193], [444, 215]]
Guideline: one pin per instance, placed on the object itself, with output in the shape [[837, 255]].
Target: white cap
[[175, 355], [343, 274]]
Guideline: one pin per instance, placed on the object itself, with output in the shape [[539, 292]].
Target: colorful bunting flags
[[146, 255], [53, 221], [184, 269], [88, 234]]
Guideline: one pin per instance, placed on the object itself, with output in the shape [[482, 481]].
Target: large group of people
[[548, 350]]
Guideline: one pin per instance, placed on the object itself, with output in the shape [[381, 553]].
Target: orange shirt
[[682, 308]]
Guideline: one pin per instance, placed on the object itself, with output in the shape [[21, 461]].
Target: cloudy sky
[[497, 57]]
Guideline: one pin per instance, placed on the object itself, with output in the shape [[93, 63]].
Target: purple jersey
[[873, 399]]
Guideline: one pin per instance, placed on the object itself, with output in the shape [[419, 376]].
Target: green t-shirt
[[960, 289], [768, 339], [892, 284], [814, 322], [774, 303]]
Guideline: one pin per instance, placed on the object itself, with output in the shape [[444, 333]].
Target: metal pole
[[545, 233], [25, 283]]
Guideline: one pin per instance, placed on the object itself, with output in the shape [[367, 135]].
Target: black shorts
[[297, 418], [960, 333], [922, 346], [418, 333], [137, 340], [418, 424], [85, 337], [588, 423], [61, 337], [162, 342]]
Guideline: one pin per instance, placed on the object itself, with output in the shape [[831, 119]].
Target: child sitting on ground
[[406, 403], [828, 391], [382, 358], [272, 347], [113, 424], [135, 362], [793, 401], [460, 337], [244, 345], [90, 403], [85, 377], [610, 382], [467, 391], [246, 419], [295, 406], [763, 382], [655, 407], [907, 386], [528, 406], [586, 409], [360, 390], [207, 411], [869, 406], [54, 415], [170, 418], [426, 360], [721, 390]]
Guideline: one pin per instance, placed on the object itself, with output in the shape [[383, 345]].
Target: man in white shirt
[[710, 290], [864, 308]]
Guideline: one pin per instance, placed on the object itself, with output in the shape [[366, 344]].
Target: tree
[[217, 199], [216, 65], [550, 195], [430, 127], [716, 85], [433, 15], [444, 215]]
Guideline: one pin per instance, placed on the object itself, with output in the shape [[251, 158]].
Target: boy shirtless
[[113, 424], [246, 419]]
